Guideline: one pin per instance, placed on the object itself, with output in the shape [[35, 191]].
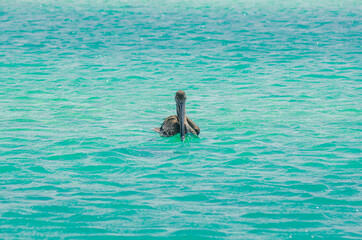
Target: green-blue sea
[[275, 86]]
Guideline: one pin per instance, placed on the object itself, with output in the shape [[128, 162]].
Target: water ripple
[[274, 87]]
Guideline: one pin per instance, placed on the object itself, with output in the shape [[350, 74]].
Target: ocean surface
[[275, 87]]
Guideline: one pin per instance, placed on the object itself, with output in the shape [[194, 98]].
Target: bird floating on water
[[179, 123]]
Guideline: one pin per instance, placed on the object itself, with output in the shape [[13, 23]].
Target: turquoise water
[[274, 86]]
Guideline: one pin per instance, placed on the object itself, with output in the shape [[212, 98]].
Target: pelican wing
[[193, 126], [170, 126]]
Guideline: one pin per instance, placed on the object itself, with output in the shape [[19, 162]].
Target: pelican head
[[180, 99]]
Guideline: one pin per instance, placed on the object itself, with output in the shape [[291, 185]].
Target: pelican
[[179, 123]]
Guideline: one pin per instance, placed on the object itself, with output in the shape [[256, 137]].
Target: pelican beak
[[181, 110]]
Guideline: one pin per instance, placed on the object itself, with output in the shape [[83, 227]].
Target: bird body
[[171, 126], [179, 123]]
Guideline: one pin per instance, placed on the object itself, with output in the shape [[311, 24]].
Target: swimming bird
[[179, 123]]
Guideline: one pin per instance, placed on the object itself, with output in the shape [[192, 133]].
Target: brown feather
[[193, 126], [171, 127]]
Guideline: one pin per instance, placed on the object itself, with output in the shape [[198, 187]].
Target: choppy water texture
[[274, 86]]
